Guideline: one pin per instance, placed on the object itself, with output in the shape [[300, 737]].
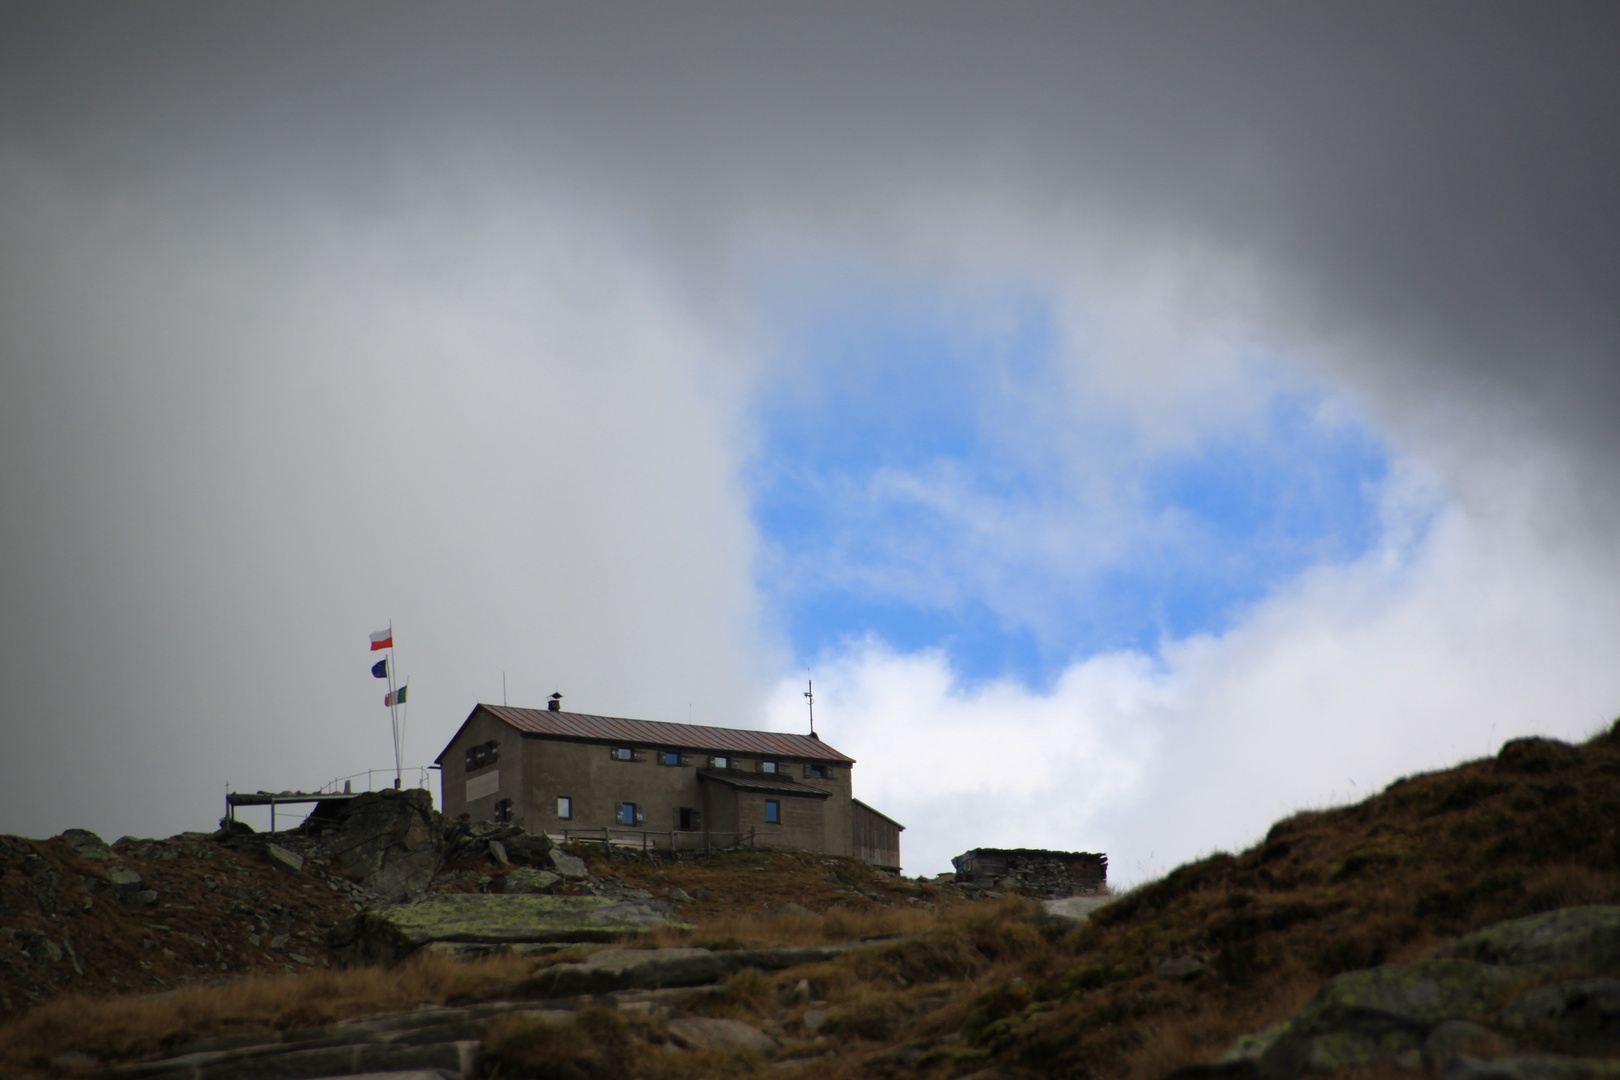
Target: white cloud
[[1458, 632]]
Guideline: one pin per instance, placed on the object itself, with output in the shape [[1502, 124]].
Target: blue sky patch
[[923, 479]]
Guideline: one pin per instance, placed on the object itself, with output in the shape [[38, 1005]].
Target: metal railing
[[331, 787], [669, 840]]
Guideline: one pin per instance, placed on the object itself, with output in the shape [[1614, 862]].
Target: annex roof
[[770, 785], [658, 733], [879, 813]]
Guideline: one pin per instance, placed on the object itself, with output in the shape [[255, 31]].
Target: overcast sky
[[1141, 421]]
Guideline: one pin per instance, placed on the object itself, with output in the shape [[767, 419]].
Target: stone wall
[[1032, 871]]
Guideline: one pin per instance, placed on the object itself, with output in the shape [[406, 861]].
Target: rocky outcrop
[[1583, 938], [389, 933], [1439, 1012], [391, 840], [473, 839]]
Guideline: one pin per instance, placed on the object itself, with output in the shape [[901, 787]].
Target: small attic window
[[818, 771], [720, 762], [769, 766]]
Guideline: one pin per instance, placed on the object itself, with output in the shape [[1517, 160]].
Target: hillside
[[1164, 978]]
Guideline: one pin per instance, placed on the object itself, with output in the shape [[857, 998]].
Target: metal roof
[[879, 813], [657, 733], [771, 785]]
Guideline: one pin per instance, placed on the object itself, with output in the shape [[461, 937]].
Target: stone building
[[1033, 871], [657, 784]]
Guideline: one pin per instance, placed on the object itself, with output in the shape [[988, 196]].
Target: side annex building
[[663, 785]]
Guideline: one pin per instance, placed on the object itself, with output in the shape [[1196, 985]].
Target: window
[[623, 753], [565, 807], [819, 771], [773, 812], [768, 766], [670, 757], [629, 813], [719, 763], [483, 755], [688, 820], [503, 810]]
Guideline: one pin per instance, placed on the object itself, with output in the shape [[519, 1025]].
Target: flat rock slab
[[285, 861], [1532, 1067], [719, 1035], [648, 969], [289, 1063], [388, 933]]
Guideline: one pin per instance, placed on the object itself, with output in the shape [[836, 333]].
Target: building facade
[[686, 786]]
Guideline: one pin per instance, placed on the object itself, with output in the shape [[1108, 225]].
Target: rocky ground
[[1463, 923], [81, 916]]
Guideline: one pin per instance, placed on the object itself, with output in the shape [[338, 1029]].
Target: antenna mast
[[810, 699]]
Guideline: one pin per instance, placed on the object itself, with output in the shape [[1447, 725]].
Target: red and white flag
[[382, 639]]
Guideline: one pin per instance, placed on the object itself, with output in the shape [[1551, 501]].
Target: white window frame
[[565, 803]]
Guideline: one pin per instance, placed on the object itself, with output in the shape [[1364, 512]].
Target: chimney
[[555, 704]]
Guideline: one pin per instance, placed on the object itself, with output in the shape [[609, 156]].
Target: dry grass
[[838, 925], [120, 1029]]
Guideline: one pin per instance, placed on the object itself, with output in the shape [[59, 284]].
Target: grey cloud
[[224, 223]]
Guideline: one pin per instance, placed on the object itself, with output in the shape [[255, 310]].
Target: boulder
[[1582, 938], [569, 866], [497, 853], [284, 860], [526, 879], [87, 845], [680, 896], [122, 884], [1379, 1016], [722, 1036], [388, 933], [391, 840], [530, 848]]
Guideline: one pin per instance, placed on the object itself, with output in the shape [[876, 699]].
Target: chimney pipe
[[555, 704]]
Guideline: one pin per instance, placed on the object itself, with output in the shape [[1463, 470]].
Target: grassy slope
[[987, 986], [1433, 856]]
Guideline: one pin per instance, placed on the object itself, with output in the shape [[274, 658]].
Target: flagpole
[[393, 698]]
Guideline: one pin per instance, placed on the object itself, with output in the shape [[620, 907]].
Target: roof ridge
[[749, 741]]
